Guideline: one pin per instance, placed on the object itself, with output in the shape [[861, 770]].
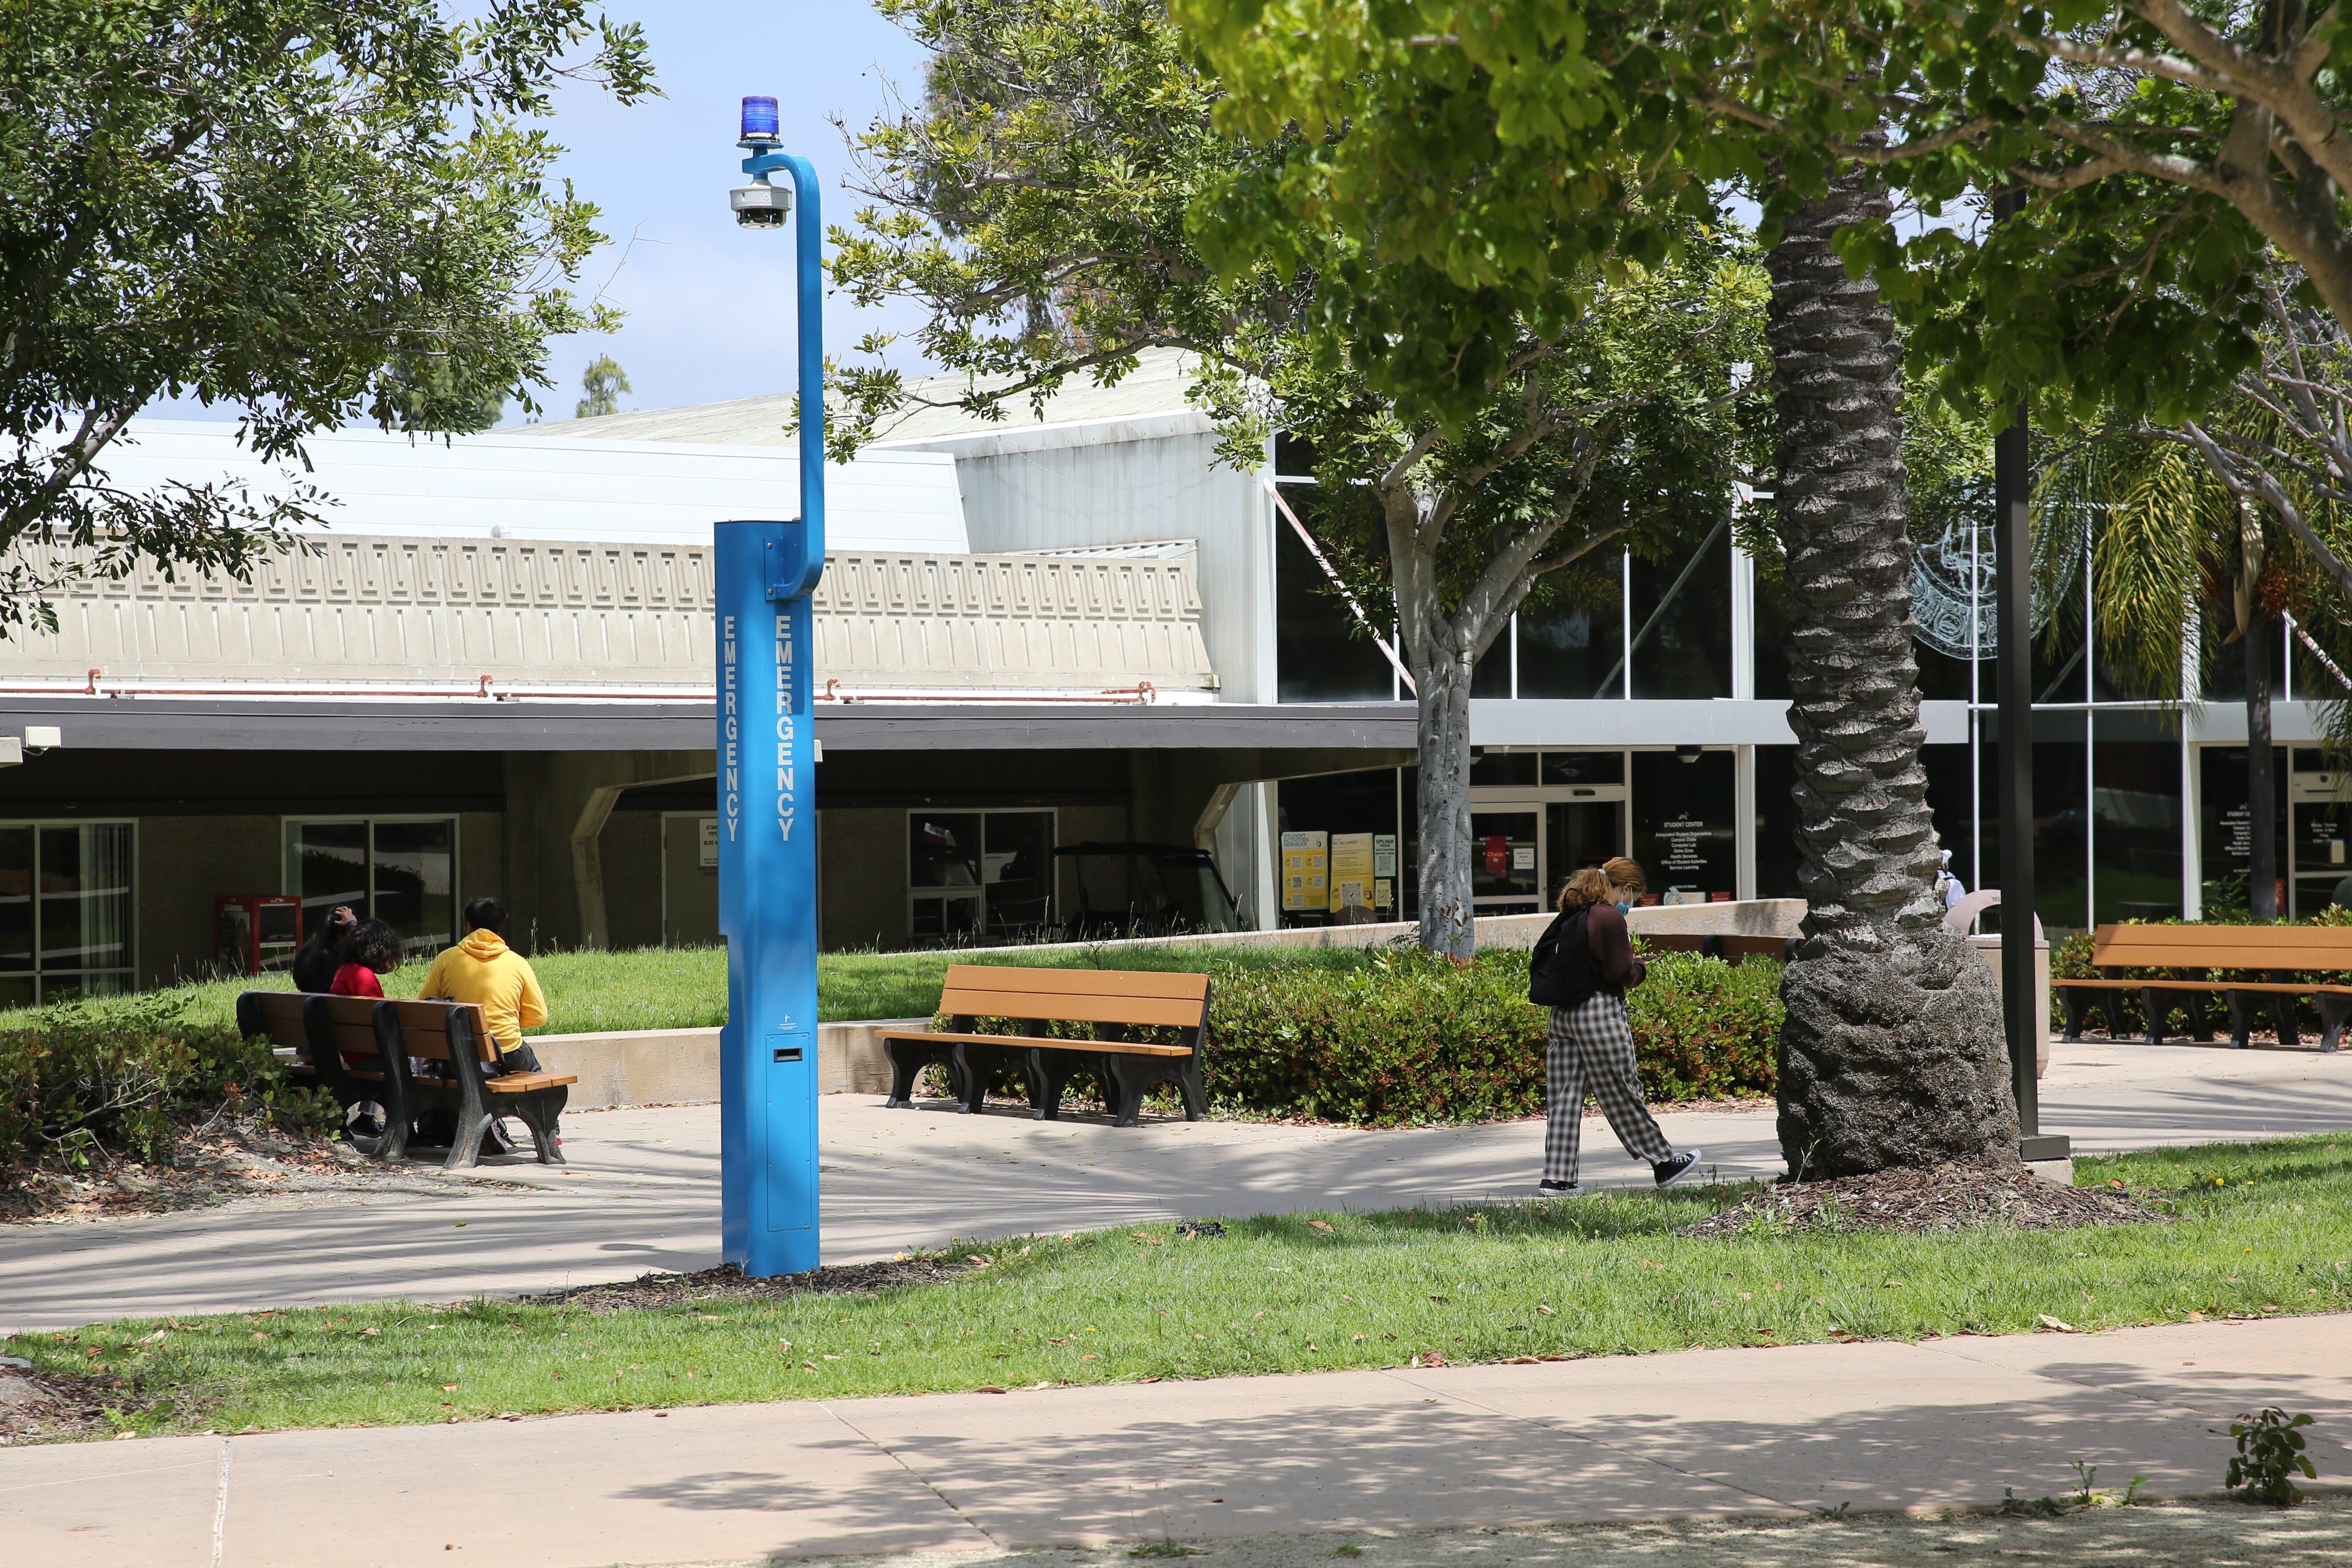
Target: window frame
[[129, 970], [1053, 816], [288, 881]]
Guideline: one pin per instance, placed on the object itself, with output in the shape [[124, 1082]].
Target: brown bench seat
[[2275, 953], [1112, 1000]]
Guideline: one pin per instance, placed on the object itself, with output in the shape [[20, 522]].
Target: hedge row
[[85, 1082], [1413, 1039]]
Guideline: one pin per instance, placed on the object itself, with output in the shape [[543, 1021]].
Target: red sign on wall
[[1498, 855]]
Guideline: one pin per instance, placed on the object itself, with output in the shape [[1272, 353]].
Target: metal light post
[[767, 793], [2013, 681]]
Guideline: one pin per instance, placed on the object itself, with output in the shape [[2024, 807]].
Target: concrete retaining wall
[[680, 1067]]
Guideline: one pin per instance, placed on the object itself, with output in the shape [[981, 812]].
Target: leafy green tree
[[1039, 202], [314, 212], [2235, 518], [601, 385]]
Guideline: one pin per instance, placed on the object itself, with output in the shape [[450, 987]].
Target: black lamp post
[[2012, 485]]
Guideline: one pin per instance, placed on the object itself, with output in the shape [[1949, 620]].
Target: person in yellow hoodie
[[483, 970]]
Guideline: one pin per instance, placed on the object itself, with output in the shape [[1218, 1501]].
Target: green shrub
[[1408, 1037], [86, 1081]]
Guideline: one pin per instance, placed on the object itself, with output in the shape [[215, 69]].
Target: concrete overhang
[[298, 724]]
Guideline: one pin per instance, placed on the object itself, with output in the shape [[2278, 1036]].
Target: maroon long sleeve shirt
[[1611, 946]]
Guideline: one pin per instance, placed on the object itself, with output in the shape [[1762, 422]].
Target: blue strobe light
[[758, 120]]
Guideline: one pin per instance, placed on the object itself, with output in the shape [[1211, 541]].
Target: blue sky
[[697, 332]]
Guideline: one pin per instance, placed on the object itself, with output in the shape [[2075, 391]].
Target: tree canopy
[[313, 212]]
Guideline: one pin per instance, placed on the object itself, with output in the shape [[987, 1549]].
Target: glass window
[[1019, 859], [1776, 821], [16, 901], [971, 874], [1503, 768], [1503, 857], [402, 871], [415, 886], [1583, 767], [1570, 647], [2136, 819], [65, 911], [1685, 826], [85, 897], [2225, 839], [1322, 655], [1341, 804], [1684, 605]]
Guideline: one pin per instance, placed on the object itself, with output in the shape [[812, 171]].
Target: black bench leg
[[1048, 1076], [2071, 1001], [973, 1062], [2282, 1012], [1123, 1090], [2241, 1023], [2152, 1002], [1196, 1096], [540, 1112], [2333, 1011], [907, 1059], [2200, 1025]]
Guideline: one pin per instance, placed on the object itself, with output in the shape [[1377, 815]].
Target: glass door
[[1505, 858], [1580, 833], [2322, 823]]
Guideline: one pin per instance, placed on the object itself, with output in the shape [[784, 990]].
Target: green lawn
[[685, 987], [2261, 1230]]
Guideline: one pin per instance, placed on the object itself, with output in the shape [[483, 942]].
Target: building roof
[[501, 484], [1156, 386]]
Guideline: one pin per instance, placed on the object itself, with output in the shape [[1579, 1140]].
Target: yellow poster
[[1351, 872], [1306, 871]]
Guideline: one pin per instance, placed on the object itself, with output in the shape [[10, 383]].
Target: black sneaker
[[1547, 1188], [1676, 1167]]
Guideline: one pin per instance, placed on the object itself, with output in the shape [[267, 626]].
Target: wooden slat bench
[[358, 1048], [1113, 1001], [2277, 953], [348, 1046], [454, 1031]]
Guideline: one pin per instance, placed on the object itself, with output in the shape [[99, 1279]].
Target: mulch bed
[[224, 1161], [1942, 1197], [729, 1283]]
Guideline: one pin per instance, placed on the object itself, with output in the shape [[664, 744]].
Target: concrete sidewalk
[[642, 1189], [1876, 1427]]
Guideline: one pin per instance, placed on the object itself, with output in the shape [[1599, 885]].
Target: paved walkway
[[643, 1189], [1877, 1427]]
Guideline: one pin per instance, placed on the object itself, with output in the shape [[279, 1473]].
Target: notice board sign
[[1352, 876], [1307, 872]]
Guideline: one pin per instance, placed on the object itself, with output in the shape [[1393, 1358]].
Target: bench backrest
[[438, 1031], [2222, 947], [350, 1023], [275, 1015], [1078, 996]]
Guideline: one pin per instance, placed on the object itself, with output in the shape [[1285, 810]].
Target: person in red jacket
[[1581, 968], [372, 948]]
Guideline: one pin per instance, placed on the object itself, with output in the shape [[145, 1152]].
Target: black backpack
[[1559, 973]]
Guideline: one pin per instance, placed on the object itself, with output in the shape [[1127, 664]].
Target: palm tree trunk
[[1892, 1051], [2261, 798]]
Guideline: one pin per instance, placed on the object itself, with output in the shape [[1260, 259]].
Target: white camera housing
[[760, 206]]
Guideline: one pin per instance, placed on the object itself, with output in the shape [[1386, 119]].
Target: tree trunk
[[1892, 1050], [2262, 790], [1443, 818]]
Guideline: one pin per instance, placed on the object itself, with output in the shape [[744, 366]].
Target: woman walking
[[1583, 967]]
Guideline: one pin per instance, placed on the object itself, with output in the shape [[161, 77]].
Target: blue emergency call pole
[[767, 793]]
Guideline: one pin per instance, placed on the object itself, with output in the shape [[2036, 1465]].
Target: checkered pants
[[1590, 1046]]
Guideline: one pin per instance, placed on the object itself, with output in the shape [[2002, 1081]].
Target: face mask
[[1624, 907]]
